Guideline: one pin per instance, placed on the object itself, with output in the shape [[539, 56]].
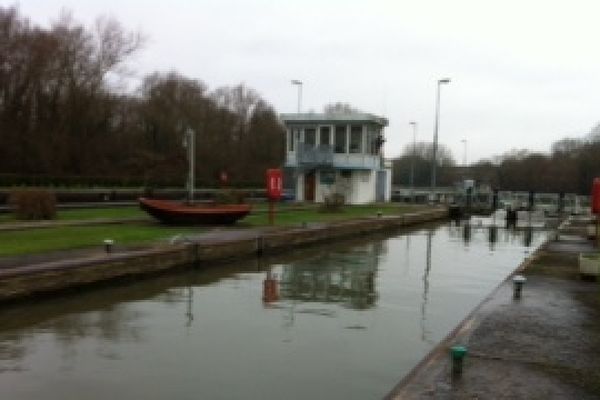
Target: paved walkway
[[544, 346]]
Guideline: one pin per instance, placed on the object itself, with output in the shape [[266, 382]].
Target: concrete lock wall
[[21, 282]]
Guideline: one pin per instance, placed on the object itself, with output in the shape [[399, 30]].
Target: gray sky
[[524, 73]]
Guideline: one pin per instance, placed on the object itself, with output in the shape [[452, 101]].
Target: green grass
[[101, 213], [63, 238], [286, 216], [39, 240]]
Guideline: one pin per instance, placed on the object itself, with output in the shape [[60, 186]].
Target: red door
[[309, 186]]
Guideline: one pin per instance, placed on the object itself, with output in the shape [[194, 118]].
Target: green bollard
[[457, 353]]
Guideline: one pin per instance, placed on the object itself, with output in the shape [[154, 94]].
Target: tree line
[[415, 163], [570, 167], [64, 113]]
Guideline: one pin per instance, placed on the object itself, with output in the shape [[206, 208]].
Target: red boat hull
[[174, 213]]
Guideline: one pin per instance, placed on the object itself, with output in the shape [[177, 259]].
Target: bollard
[[457, 353], [518, 281], [379, 214], [108, 245]]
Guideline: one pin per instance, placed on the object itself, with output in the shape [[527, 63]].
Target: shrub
[[333, 203], [228, 196], [33, 204]]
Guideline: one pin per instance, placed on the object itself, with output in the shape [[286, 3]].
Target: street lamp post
[[413, 159], [464, 141], [299, 85], [435, 135]]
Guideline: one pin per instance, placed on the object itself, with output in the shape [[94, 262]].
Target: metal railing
[[319, 155]]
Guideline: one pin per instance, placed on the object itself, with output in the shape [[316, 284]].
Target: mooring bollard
[[457, 353], [518, 282], [108, 245]]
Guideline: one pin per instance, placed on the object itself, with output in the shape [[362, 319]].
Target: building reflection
[[348, 279]]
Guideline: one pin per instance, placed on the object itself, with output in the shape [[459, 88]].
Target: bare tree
[[340, 108]]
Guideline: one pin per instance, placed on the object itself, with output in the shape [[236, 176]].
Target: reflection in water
[[493, 236], [270, 290], [528, 236], [346, 279], [467, 232], [427, 270], [189, 314]]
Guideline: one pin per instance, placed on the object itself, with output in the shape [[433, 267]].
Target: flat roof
[[315, 118]]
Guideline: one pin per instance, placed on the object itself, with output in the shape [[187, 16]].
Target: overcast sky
[[524, 73]]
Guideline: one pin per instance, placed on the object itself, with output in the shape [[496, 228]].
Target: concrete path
[[545, 345]]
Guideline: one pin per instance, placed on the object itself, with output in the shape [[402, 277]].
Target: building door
[[380, 186], [309, 186]]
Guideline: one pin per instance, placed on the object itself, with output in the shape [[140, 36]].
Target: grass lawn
[[286, 216], [40, 240], [98, 213], [62, 238]]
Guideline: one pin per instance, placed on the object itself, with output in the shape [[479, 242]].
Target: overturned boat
[[180, 213]]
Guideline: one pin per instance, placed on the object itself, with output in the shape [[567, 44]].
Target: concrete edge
[[438, 358], [43, 278]]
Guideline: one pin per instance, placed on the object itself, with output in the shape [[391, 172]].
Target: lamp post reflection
[[425, 298], [188, 307]]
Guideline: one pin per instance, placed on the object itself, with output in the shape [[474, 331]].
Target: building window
[[310, 136], [340, 139], [291, 135], [373, 140], [356, 139], [324, 135]]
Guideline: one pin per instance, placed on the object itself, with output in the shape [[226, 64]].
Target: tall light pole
[[464, 142], [435, 134], [413, 159], [190, 142], [299, 84]]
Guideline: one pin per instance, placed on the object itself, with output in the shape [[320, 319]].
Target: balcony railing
[[309, 155]]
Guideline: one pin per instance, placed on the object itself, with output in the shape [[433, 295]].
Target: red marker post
[[274, 190]]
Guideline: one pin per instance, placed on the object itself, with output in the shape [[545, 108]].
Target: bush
[[228, 196], [333, 203], [33, 204]]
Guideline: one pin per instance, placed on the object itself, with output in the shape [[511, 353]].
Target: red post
[[274, 191]]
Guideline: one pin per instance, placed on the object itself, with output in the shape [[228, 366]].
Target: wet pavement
[[545, 345]]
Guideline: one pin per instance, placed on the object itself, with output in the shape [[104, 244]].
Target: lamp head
[[444, 80], [296, 82], [413, 123]]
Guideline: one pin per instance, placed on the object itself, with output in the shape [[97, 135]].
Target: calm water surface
[[344, 322]]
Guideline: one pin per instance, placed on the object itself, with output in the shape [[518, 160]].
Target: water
[[345, 322]]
